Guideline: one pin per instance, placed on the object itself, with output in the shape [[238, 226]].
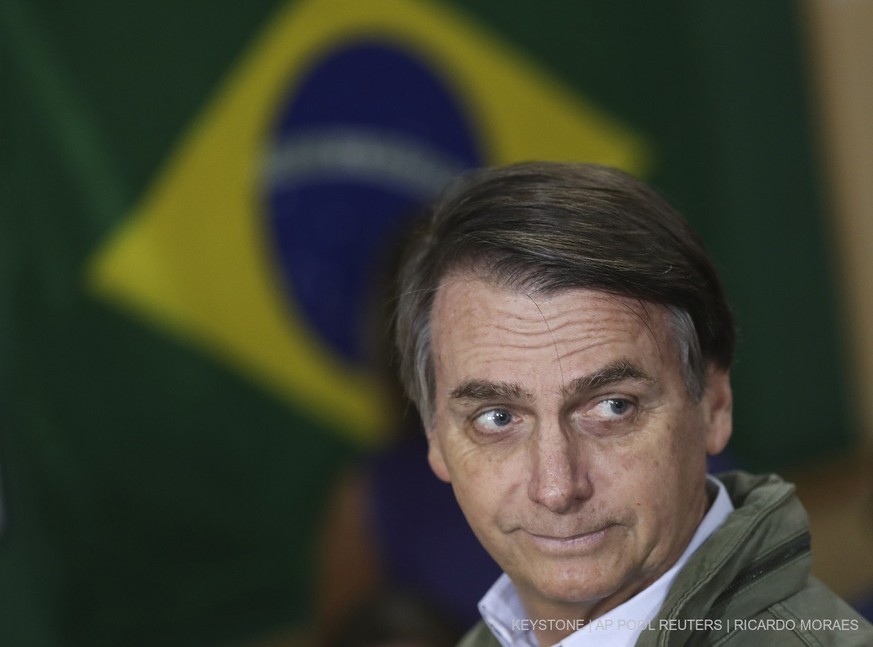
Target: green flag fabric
[[195, 197]]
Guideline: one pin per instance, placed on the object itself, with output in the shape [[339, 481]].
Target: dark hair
[[547, 227]]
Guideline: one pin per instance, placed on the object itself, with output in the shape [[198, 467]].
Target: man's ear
[[718, 410], [435, 456]]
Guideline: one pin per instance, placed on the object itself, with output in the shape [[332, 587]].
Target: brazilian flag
[[197, 200]]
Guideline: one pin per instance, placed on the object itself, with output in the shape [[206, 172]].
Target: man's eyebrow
[[609, 374], [487, 390]]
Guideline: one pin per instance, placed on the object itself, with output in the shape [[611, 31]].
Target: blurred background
[[201, 442]]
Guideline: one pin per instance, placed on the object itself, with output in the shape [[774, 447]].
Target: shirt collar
[[504, 614]]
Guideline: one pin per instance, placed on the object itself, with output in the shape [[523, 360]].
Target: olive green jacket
[[749, 584]]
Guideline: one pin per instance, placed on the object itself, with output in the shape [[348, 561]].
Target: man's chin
[[578, 588]]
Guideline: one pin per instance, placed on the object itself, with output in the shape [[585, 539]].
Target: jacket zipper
[[797, 546]]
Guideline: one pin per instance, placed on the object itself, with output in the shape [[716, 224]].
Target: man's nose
[[559, 476]]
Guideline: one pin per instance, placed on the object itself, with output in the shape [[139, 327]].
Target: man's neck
[[572, 615]]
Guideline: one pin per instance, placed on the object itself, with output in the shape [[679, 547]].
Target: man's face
[[566, 429]]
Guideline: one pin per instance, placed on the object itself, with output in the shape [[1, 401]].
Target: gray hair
[[547, 227]]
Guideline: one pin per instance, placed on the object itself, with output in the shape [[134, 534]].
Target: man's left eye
[[614, 407], [493, 420]]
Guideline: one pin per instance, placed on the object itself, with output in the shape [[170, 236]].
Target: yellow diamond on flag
[[195, 256]]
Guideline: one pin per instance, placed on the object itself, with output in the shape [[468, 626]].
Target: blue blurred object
[[723, 462], [864, 605], [367, 137], [423, 537]]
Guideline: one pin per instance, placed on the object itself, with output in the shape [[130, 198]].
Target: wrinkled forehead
[[467, 301]]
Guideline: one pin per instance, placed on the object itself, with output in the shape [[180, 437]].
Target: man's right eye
[[493, 420]]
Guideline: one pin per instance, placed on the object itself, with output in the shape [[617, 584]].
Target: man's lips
[[559, 543]]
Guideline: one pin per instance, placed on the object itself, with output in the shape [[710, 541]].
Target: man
[[568, 344]]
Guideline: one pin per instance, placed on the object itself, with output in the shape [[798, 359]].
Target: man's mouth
[[553, 542]]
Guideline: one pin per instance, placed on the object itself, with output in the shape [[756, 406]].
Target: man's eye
[[614, 407], [493, 420]]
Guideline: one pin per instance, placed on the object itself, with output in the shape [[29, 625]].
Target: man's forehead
[[469, 311], [459, 291]]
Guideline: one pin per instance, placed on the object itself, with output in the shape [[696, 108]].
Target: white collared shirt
[[504, 614]]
